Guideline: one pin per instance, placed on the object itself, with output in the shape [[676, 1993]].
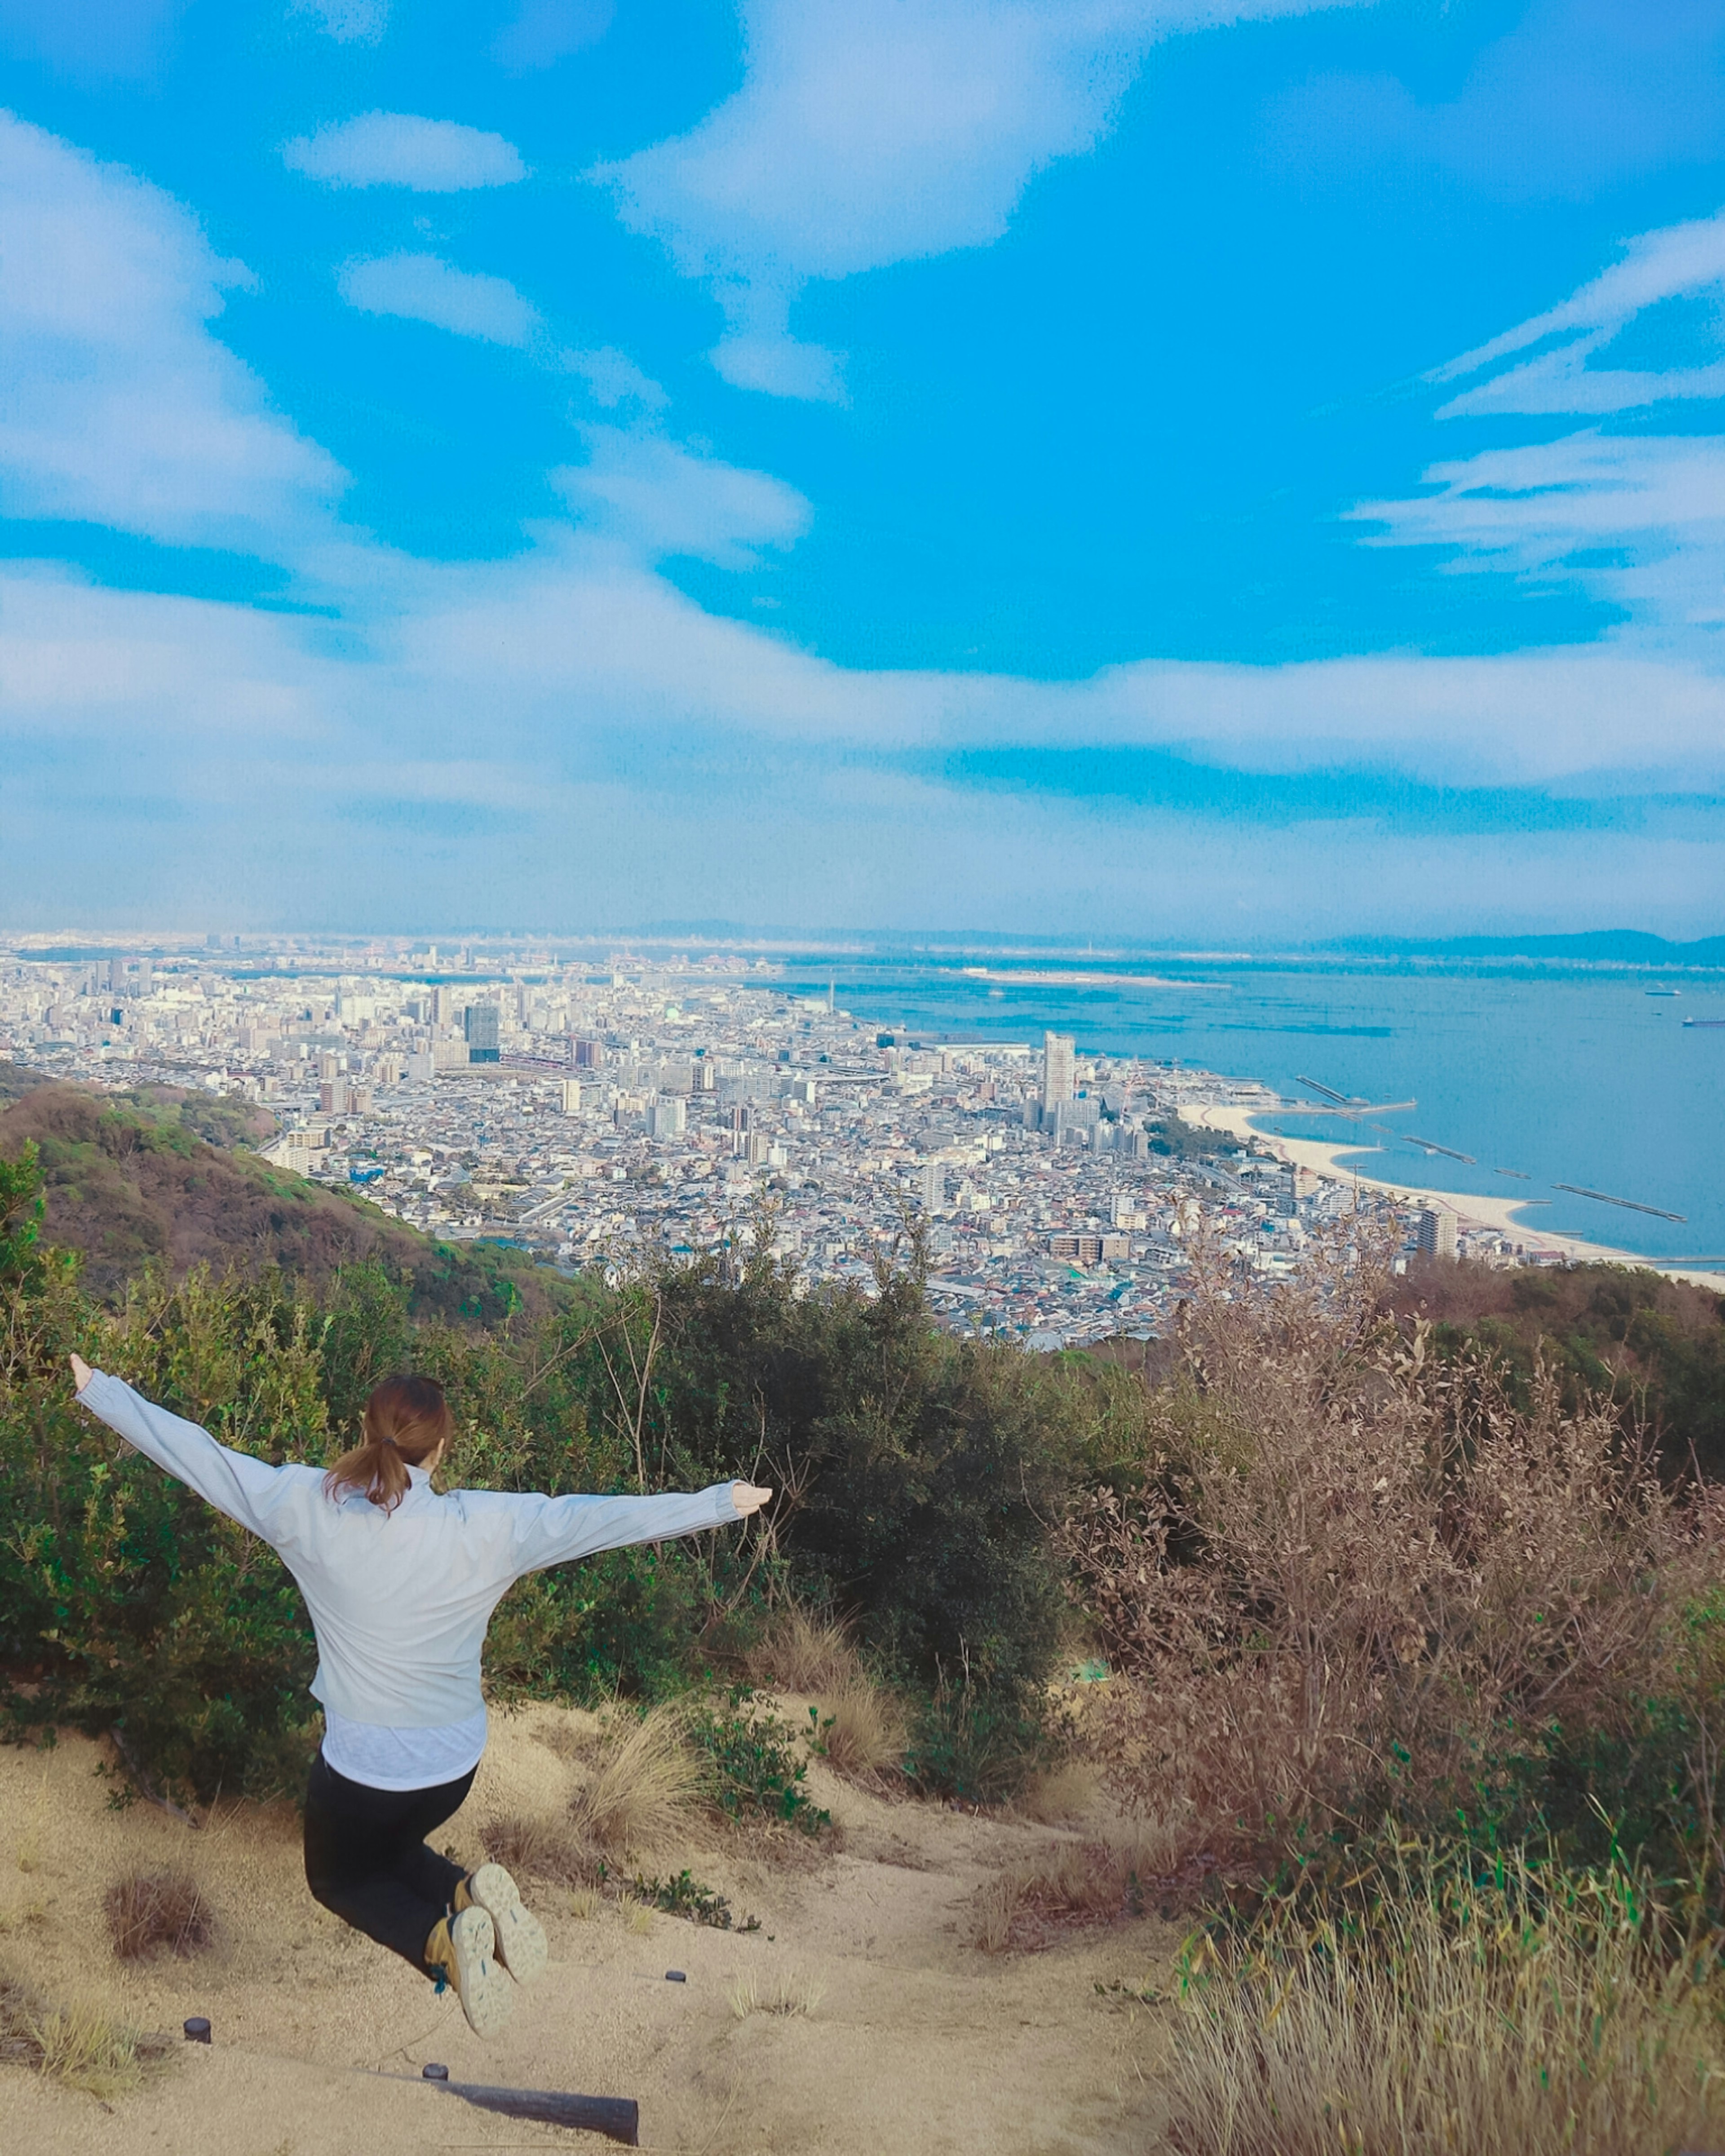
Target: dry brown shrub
[[154, 1910], [643, 1787], [802, 1653], [1064, 1794], [1071, 1886], [532, 1847], [1351, 1564]]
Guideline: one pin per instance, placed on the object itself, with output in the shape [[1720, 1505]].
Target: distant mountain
[[135, 1177], [1604, 946]]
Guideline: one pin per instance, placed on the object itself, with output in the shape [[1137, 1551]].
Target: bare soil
[[915, 2042]]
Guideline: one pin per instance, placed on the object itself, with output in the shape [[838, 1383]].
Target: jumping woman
[[401, 1583]]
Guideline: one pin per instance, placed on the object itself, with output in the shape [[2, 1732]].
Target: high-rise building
[[573, 1095], [1436, 1232], [931, 1186], [332, 1097], [479, 1025], [666, 1118], [587, 1054], [1059, 1063]]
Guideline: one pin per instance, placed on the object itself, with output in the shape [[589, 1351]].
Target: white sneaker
[[471, 1966], [520, 1935]]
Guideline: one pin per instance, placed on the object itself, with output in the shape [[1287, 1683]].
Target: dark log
[[617, 2117]]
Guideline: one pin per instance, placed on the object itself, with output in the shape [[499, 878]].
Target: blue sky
[[1141, 468]]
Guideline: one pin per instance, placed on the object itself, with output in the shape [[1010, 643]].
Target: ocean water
[[1578, 1077]]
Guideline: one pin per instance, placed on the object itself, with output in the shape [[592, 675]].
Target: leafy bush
[[755, 1771], [686, 1897]]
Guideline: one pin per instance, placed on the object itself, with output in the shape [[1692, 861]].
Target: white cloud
[[614, 378], [484, 699], [117, 404], [664, 500], [423, 289], [872, 132], [402, 150], [348, 21]]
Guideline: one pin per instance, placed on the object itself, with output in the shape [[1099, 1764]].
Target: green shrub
[[756, 1773]]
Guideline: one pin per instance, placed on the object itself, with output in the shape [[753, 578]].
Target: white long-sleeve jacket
[[399, 1601]]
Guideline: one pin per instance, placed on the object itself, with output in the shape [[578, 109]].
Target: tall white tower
[[1059, 1060]]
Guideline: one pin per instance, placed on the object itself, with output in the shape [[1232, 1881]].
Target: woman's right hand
[[81, 1372]]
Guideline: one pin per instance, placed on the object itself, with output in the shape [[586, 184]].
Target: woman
[[401, 1583]]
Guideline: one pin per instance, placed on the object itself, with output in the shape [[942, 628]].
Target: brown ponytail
[[407, 1420]]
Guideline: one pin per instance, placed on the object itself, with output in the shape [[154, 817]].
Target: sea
[[1540, 1075]]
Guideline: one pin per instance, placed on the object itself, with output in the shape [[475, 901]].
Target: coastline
[[1499, 1213]]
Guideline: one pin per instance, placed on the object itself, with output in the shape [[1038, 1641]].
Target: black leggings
[[366, 1856]]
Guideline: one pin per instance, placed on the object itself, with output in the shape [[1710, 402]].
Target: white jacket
[[399, 1601]]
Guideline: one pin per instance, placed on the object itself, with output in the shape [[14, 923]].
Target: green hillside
[[156, 1176]]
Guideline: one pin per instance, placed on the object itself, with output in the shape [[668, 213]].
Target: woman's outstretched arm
[[553, 1530], [232, 1481]]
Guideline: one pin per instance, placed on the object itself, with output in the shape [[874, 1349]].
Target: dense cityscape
[[597, 1110]]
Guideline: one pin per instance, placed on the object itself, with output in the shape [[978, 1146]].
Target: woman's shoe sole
[[520, 1935], [486, 1998]]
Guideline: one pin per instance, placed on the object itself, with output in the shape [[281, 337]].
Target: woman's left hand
[[747, 1498]]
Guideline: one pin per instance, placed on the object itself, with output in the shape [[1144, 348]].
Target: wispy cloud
[[422, 288], [1638, 518], [1682, 262], [872, 132], [664, 500], [403, 150]]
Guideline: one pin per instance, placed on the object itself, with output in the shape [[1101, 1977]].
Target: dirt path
[[914, 2042]]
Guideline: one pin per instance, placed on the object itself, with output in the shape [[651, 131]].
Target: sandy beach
[[1504, 1215]]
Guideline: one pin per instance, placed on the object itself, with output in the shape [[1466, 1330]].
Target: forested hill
[[1656, 1345], [133, 1178]]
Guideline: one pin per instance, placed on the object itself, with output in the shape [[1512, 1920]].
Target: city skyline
[[1186, 476]]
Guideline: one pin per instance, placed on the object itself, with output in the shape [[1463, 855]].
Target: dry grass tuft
[[801, 1653], [537, 1848], [20, 2012], [1476, 2021], [79, 2046], [1070, 1886], [646, 1782], [863, 1728], [783, 1991], [153, 1910], [585, 1903], [637, 1916]]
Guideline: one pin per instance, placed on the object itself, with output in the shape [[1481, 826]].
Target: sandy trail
[[918, 2043]]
